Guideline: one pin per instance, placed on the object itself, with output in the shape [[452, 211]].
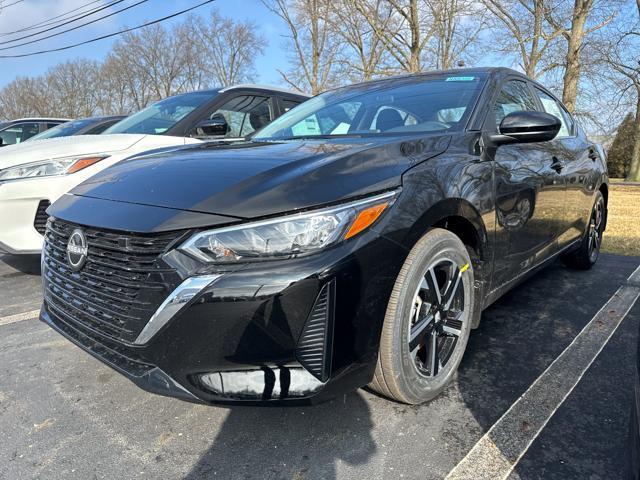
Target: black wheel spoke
[[433, 362], [454, 285], [419, 331], [433, 290]]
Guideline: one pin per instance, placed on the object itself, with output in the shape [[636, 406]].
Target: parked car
[[35, 174], [354, 240], [23, 129], [82, 126]]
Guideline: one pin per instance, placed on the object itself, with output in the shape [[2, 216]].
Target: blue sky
[[30, 12]]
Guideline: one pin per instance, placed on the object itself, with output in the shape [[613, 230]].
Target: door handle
[[557, 165]]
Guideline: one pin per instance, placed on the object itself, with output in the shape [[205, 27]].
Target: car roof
[[39, 119], [493, 71], [257, 86]]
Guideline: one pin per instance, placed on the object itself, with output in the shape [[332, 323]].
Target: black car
[[22, 129], [233, 112], [81, 126], [353, 241]]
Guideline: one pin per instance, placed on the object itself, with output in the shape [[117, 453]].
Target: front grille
[[40, 221], [118, 289]]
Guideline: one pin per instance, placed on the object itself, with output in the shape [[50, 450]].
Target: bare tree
[[458, 24], [313, 48], [363, 55], [404, 27], [526, 32], [575, 31], [618, 49], [228, 49], [74, 88]]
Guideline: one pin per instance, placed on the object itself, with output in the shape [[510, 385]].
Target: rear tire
[[428, 320], [588, 252]]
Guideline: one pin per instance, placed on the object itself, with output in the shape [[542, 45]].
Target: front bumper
[[19, 201], [249, 337]]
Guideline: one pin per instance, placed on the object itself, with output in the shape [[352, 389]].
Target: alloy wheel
[[595, 230], [437, 317]]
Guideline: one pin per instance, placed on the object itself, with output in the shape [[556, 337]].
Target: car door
[[529, 191], [579, 156], [19, 132]]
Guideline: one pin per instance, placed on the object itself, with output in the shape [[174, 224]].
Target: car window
[[98, 129], [288, 104], [62, 130], [336, 120], [403, 106], [161, 116], [551, 106], [514, 96], [19, 133], [245, 114]]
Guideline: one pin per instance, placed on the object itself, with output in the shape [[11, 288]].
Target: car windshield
[[161, 116], [406, 105], [63, 130]]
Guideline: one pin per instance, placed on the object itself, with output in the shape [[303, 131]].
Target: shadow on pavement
[[521, 335], [27, 264], [295, 443]]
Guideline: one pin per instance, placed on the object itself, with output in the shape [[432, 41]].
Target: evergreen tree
[[621, 150]]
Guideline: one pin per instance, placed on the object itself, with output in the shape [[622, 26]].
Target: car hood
[[254, 179], [51, 148]]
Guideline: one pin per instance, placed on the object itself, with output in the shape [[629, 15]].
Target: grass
[[622, 235]]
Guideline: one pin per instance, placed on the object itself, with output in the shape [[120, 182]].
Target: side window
[[288, 104], [513, 97], [19, 133], [47, 126], [551, 106], [245, 114]]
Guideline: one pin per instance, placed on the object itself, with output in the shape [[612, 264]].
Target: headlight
[[287, 236], [58, 166]]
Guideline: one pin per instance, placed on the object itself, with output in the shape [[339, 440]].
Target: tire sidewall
[[437, 244]]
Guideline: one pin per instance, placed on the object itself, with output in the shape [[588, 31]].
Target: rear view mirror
[[527, 127], [216, 126]]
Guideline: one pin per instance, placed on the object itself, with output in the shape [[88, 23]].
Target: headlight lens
[[287, 236], [47, 168]]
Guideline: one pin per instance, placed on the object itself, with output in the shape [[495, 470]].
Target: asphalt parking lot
[[65, 415]]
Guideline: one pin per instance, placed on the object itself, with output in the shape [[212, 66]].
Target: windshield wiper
[[315, 137]]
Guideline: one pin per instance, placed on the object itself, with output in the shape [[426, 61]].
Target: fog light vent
[[315, 343], [40, 222]]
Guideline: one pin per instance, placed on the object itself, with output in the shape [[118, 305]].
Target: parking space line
[[19, 317], [501, 448]]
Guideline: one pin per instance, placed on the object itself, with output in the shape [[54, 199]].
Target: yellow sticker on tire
[[464, 268]]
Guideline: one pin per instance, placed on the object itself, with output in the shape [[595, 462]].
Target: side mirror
[[526, 127], [215, 126]]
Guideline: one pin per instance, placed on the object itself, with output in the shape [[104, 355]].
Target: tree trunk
[[572, 70], [634, 168], [414, 62]]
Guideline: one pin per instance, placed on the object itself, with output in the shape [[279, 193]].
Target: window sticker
[[460, 79]]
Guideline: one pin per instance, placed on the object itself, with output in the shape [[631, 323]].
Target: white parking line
[[501, 448], [19, 317]]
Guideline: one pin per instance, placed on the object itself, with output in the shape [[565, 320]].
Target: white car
[[34, 174]]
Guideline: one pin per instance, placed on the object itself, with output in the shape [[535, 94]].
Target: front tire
[[588, 252], [428, 320]]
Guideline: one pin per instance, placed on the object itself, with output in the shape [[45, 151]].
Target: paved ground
[[65, 415]]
